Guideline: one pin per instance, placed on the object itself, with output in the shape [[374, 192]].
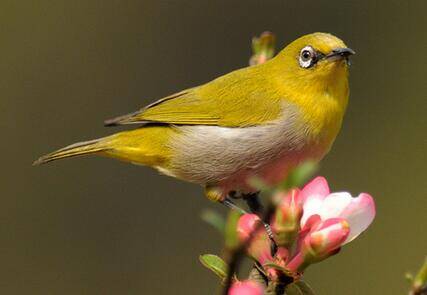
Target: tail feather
[[146, 146], [73, 150], [123, 120]]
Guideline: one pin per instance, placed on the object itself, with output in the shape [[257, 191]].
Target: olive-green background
[[98, 226]]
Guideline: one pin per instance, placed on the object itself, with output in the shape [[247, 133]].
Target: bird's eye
[[307, 57]]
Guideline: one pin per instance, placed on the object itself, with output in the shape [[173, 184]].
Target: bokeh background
[[97, 226]]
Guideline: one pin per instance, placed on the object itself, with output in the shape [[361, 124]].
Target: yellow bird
[[257, 121]]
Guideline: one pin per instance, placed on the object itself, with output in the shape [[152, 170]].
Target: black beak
[[341, 52]]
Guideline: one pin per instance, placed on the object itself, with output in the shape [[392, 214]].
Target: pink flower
[[323, 240], [286, 220], [309, 225], [326, 237], [260, 246], [359, 212], [246, 288], [329, 220]]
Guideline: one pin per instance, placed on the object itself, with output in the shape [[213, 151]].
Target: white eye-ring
[[307, 57]]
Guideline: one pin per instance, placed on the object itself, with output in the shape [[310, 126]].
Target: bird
[[258, 121]]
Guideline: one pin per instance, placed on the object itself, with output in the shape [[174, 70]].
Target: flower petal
[[246, 225], [318, 186], [334, 205], [246, 288], [311, 207], [260, 245], [329, 236], [324, 239], [359, 214]]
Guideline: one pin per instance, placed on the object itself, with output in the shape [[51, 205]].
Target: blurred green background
[[98, 226]]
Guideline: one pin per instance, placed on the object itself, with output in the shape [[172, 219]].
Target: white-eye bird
[[259, 121]]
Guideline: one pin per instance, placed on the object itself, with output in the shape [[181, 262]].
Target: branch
[[239, 252]]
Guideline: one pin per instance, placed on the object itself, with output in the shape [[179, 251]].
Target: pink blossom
[[286, 220], [309, 225], [246, 288], [246, 225], [359, 212], [326, 237], [260, 246], [323, 240]]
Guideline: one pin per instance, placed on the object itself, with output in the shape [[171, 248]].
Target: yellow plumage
[[260, 120]]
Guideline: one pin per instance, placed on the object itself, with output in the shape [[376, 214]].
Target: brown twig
[[238, 253]]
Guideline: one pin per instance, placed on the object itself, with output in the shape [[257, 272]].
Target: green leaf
[[300, 175], [214, 218], [298, 288], [231, 239], [215, 264]]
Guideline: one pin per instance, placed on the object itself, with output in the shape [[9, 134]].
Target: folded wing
[[242, 98]]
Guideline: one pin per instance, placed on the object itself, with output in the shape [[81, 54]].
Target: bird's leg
[[230, 204]]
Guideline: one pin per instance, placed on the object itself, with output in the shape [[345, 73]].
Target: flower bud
[[246, 288], [246, 225], [260, 246], [286, 220], [263, 48], [324, 240]]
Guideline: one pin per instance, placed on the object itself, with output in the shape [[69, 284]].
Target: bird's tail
[[146, 146], [73, 150]]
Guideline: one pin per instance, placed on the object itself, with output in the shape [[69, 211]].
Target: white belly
[[228, 157]]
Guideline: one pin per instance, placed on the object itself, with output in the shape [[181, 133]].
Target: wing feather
[[241, 98]]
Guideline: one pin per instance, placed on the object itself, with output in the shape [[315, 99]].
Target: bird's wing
[[233, 100]]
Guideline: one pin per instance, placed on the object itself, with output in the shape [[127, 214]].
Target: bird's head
[[316, 62]]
